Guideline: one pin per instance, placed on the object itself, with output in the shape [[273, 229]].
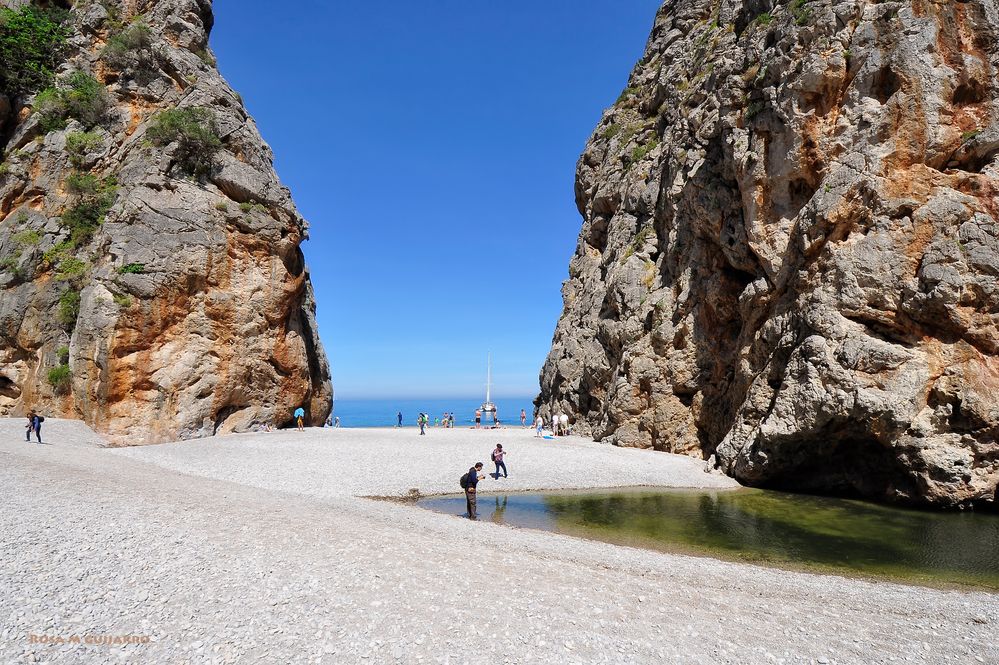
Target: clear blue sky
[[432, 146]]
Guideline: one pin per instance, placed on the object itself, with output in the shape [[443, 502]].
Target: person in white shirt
[[563, 421], [539, 425]]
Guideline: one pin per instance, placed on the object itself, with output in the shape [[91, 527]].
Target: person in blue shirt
[[35, 425], [399, 416], [300, 419]]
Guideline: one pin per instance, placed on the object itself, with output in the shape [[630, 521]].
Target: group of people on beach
[[560, 425], [470, 481]]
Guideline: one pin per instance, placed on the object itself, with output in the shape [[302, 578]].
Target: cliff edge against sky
[[151, 276], [789, 256]]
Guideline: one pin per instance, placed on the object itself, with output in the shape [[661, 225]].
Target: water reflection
[[754, 525]]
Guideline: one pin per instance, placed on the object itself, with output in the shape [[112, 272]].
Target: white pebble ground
[[259, 549]]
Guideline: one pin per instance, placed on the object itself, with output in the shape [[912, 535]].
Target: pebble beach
[[262, 548]]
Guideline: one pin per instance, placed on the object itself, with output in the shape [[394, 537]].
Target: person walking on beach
[[300, 419], [469, 482], [421, 420], [478, 418], [336, 422], [498, 460], [399, 419], [563, 423], [451, 418], [523, 418], [29, 427], [539, 425]]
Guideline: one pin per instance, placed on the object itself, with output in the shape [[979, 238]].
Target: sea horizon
[[381, 412]]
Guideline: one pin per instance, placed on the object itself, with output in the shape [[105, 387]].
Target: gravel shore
[[257, 548]]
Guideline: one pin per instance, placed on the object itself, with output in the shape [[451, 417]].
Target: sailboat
[[488, 408]]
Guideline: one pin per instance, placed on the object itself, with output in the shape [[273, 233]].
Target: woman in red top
[[498, 459]]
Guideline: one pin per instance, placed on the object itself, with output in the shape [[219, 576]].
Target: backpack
[[464, 481], [41, 419], [494, 455]]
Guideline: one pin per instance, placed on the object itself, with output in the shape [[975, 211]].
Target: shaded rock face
[[790, 254], [195, 315]]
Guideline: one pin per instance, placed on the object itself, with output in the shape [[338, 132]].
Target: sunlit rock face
[[789, 254], [195, 315]]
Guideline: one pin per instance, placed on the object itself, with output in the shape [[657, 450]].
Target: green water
[[772, 528]]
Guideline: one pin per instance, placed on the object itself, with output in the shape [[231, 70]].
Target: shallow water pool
[[774, 528]]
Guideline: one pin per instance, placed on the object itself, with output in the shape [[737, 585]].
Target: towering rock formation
[[790, 254], [151, 280]]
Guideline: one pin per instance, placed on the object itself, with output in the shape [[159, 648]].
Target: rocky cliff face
[[151, 279], [790, 252]]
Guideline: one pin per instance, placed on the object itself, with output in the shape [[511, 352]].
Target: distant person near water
[[498, 455], [421, 420], [336, 422], [399, 418], [523, 418], [300, 419], [539, 425], [478, 419], [450, 418], [468, 483]]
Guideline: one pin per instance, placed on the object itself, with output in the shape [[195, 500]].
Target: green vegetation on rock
[[80, 144], [60, 378], [132, 269], [31, 44], [196, 134], [81, 97], [129, 48], [96, 198], [69, 308]]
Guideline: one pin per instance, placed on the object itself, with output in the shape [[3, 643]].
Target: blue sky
[[432, 146]]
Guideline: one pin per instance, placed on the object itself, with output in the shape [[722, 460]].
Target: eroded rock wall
[[790, 252], [195, 311]]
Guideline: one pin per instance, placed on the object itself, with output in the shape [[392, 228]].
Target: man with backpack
[[468, 483], [422, 421], [34, 425]]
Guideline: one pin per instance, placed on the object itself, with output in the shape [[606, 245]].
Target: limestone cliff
[[790, 254], [151, 276]]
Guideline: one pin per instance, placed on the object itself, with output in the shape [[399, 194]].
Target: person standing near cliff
[[469, 483], [300, 419], [539, 425], [35, 425]]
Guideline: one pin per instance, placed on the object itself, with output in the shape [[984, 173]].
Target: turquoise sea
[[382, 412]]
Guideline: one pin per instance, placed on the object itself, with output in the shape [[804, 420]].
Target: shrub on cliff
[[96, 198], [81, 144], [60, 378], [130, 48], [81, 97], [69, 308], [196, 134], [31, 44]]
